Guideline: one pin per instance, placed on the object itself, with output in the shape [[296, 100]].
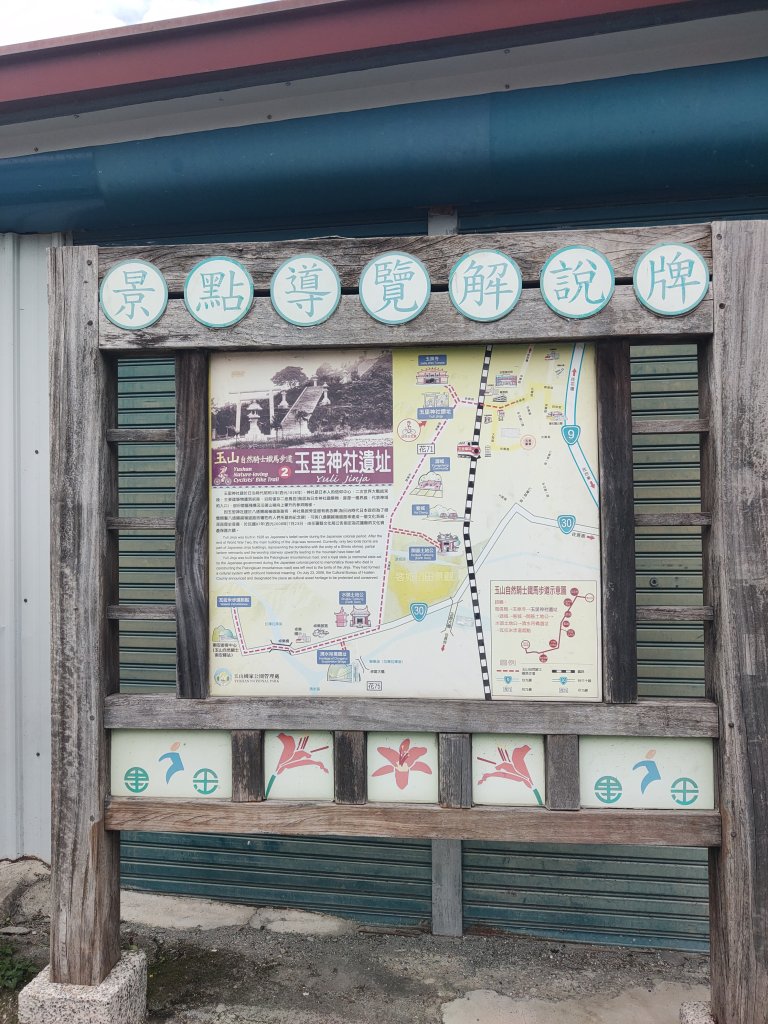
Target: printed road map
[[413, 523]]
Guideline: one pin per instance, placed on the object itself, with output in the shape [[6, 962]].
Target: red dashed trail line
[[246, 650], [413, 533], [460, 401]]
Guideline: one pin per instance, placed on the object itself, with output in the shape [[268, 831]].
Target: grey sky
[[45, 19]]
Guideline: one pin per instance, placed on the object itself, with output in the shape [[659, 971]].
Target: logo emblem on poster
[[566, 523], [419, 610], [571, 433]]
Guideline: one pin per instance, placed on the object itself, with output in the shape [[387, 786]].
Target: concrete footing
[[695, 1013], [120, 999]]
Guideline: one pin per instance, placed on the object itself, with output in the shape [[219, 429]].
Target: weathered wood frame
[[85, 611]]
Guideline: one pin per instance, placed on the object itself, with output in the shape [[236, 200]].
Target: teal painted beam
[[690, 135]]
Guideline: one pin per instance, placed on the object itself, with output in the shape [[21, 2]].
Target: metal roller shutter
[[625, 896]]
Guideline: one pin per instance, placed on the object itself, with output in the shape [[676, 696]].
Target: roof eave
[[292, 39]]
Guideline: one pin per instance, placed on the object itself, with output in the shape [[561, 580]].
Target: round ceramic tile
[[577, 282], [485, 285], [671, 279], [394, 287], [305, 290], [218, 292], [133, 295]]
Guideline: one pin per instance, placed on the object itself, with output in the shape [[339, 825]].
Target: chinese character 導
[[305, 291]]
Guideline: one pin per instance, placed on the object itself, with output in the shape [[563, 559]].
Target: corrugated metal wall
[[643, 897]]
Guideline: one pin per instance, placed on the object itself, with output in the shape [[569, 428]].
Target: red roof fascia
[[278, 36]]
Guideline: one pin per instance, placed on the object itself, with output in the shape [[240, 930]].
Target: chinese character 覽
[[394, 287]]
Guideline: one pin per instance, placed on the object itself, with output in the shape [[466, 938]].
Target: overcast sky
[[43, 19]]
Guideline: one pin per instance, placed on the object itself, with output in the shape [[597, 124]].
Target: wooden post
[[85, 900], [192, 524], [455, 768], [734, 481], [617, 523], [447, 887], [247, 765], [350, 756], [562, 773], [447, 910]]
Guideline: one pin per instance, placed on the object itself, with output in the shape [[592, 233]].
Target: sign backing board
[[417, 522]]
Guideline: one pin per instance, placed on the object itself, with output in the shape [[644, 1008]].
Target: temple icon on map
[[448, 543], [356, 617], [432, 375]]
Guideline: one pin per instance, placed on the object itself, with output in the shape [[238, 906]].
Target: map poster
[[407, 523]]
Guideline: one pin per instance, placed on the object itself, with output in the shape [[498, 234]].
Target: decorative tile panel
[[171, 763], [402, 767], [508, 769], [298, 766], [631, 771]]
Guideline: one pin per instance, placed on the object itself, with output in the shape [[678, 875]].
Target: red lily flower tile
[[508, 770], [298, 766], [402, 767]]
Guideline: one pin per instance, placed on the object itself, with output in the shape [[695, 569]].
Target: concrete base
[[696, 1013], [120, 999]]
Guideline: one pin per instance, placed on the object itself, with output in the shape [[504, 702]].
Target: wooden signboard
[[305, 718]]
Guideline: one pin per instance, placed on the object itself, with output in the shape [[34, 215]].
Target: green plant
[[15, 971]]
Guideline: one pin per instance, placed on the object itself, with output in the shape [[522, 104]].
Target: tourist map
[[406, 523]]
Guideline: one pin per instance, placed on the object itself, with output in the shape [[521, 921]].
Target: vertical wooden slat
[[734, 483], [562, 773], [617, 531], [192, 524], [455, 766], [85, 904], [447, 911], [350, 771], [447, 885], [247, 765]]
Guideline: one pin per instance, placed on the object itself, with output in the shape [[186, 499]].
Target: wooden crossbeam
[[622, 246], [674, 613], [141, 523], [141, 611], [673, 519], [531, 321], [670, 426], [141, 435], [401, 821], [678, 717]]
